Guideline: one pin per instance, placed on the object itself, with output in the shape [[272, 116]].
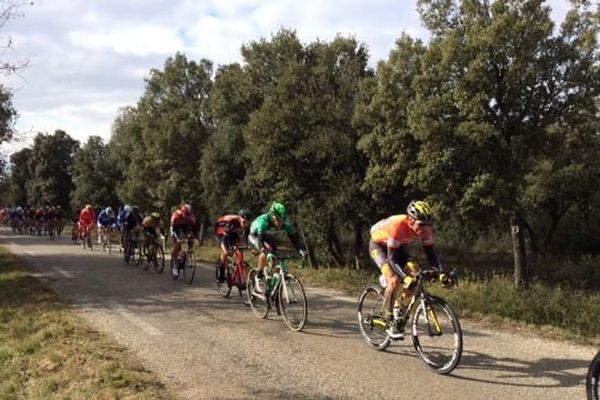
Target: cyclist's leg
[[378, 254], [223, 258]]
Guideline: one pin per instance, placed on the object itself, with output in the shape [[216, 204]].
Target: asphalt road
[[205, 347]]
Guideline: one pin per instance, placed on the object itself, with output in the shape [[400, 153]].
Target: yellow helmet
[[421, 211]]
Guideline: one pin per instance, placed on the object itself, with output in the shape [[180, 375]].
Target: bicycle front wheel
[[189, 269], [225, 287], [293, 304], [143, 259], [371, 324], [591, 382], [258, 301], [437, 335], [158, 259]]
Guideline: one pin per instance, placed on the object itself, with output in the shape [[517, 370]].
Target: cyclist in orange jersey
[[387, 248]]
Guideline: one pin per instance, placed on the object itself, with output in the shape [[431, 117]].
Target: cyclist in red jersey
[[87, 219], [389, 239], [230, 230], [183, 224]]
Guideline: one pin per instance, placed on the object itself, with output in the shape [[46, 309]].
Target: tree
[[50, 168], [8, 115], [163, 136], [495, 81], [19, 176], [300, 142], [95, 175]]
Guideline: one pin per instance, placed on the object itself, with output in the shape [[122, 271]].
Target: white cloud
[[89, 58]]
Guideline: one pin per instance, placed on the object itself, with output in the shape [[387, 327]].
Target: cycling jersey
[[229, 225], [105, 220], [390, 236], [181, 223], [398, 230], [262, 224], [87, 217]]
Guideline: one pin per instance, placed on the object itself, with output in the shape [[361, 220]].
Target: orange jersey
[[396, 231]]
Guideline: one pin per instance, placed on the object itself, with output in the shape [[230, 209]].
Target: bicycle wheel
[[189, 269], [593, 374], [370, 322], [292, 302], [158, 259], [437, 336], [225, 287], [258, 301], [143, 259]]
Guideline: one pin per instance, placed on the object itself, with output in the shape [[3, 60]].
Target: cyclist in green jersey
[[261, 241]]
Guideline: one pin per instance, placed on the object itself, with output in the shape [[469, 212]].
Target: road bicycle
[[51, 229], [186, 261], [593, 374], [130, 244], [85, 233], [283, 289], [435, 329], [152, 254], [106, 238], [236, 272]]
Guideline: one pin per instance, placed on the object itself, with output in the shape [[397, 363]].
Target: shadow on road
[[506, 370]]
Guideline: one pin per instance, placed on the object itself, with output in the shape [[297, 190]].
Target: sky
[[89, 58]]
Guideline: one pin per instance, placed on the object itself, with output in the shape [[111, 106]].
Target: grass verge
[[552, 311], [47, 352]]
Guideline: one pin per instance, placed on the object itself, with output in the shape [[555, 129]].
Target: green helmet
[[278, 210]]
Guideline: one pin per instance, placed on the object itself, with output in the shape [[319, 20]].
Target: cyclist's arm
[[397, 258], [434, 260]]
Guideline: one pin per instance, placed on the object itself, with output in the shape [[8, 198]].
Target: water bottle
[[383, 281]]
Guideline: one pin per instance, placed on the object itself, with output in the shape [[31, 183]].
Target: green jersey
[[264, 223]]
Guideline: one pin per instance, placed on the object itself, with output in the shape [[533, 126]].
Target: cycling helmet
[[155, 215], [109, 210], [19, 210], [127, 208], [245, 213], [420, 211], [278, 210], [88, 206], [186, 208]]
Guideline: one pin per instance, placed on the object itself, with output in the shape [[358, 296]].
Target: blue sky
[[89, 58]]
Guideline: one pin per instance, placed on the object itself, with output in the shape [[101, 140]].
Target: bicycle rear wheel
[[371, 324], [225, 287], [591, 382], [437, 335], [258, 301], [158, 259], [292, 301], [189, 269], [144, 258]]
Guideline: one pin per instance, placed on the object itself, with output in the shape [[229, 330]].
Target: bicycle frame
[[238, 278]]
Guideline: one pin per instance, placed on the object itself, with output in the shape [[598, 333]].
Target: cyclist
[[231, 229], [183, 223], [152, 227], [106, 220], [131, 219], [51, 220], [387, 247], [87, 219], [275, 219]]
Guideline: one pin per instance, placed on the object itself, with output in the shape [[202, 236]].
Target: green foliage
[[95, 175], [8, 114], [50, 181], [19, 176], [160, 141]]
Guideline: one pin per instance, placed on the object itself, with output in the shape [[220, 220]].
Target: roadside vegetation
[[47, 352]]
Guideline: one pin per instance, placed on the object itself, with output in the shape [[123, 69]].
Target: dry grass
[[46, 352]]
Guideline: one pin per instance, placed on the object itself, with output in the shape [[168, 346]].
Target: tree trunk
[[312, 261], [334, 246], [520, 252], [358, 242]]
